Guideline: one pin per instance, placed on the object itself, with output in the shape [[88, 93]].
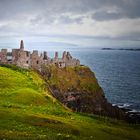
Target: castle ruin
[[26, 59]]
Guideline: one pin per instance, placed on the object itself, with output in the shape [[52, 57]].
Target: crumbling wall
[[4, 56], [25, 59]]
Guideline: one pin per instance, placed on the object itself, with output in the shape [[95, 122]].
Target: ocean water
[[118, 73]]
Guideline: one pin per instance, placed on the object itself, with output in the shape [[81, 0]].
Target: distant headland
[[127, 49]]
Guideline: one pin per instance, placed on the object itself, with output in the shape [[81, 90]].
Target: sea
[[117, 71]]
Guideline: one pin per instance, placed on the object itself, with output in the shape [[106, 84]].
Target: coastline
[[133, 116]]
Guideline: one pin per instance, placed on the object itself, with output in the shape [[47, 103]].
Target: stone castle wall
[[26, 59]]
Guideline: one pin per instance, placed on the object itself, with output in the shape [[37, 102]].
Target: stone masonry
[[26, 59]]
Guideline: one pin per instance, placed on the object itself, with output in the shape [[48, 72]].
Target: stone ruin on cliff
[[26, 59]]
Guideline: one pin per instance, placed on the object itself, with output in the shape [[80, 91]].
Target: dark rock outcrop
[[78, 89], [81, 102]]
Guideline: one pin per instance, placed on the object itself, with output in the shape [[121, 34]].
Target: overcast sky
[[104, 19]]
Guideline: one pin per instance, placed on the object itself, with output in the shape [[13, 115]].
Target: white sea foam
[[134, 111], [124, 105], [121, 105]]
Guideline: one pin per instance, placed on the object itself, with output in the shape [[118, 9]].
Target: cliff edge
[[78, 89]]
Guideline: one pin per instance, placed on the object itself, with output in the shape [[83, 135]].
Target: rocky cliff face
[[78, 88]]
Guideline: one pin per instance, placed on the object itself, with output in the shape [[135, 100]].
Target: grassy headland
[[29, 111]]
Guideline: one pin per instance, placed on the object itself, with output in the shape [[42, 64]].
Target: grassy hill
[[28, 111]]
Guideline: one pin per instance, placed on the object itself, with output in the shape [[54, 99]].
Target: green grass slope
[[28, 111], [79, 78]]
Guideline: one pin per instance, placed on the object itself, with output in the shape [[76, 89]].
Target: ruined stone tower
[[56, 55], [21, 45]]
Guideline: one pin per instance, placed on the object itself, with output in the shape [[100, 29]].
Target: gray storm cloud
[[10, 9], [32, 14]]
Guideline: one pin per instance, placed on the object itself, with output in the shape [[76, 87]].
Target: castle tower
[[69, 57], [56, 55], [21, 45], [4, 56], [64, 55], [45, 55]]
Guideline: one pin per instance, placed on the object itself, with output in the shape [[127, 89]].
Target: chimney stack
[[21, 45], [56, 55], [45, 55]]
